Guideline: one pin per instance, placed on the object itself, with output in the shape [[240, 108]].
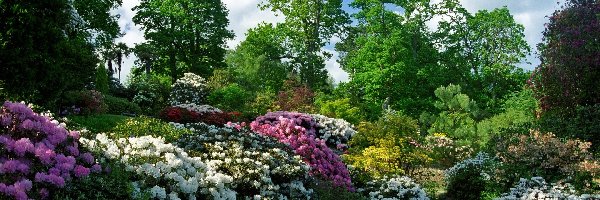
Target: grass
[[96, 123]]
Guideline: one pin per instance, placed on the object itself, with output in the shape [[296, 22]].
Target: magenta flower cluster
[[38, 153], [290, 128]]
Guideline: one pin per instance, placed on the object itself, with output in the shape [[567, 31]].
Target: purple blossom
[[87, 158], [96, 168], [44, 193], [81, 171], [50, 178], [22, 146]]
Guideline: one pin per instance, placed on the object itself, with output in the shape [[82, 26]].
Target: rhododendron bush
[[394, 188], [299, 131], [192, 113], [164, 169], [261, 167], [38, 154], [190, 88]]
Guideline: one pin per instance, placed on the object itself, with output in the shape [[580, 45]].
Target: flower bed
[[38, 154]]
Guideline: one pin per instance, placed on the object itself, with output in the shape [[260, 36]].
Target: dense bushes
[[392, 145], [151, 92], [119, 106], [471, 178], [190, 88], [84, 102], [37, 154]]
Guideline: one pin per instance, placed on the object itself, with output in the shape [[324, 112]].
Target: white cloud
[[333, 67], [244, 15]]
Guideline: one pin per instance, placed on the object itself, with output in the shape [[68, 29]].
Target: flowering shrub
[[537, 188], [322, 160], [394, 188], [37, 154], [151, 92], [84, 102], [192, 107], [189, 114], [469, 178], [539, 154], [295, 96], [261, 167], [164, 170], [444, 151], [190, 88], [389, 146], [336, 132]]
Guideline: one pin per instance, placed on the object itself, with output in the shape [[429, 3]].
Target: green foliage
[[230, 98], [327, 191], [101, 80], [392, 145], [257, 61], [582, 122], [151, 92], [120, 106], [97, 123], [48, 47], [339, 108], [113, 185], [518, 115], [308, 25], [262, 103], [295, 96], [220, 79], [184, 35], [458, 117], [88, 101], [471, 178], [141, 126]]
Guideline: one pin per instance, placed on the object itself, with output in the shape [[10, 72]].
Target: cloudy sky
[[244, 14]]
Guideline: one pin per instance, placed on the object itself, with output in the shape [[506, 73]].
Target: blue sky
[[244, 14]]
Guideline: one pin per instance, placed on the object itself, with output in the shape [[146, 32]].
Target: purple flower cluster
[[37, 152], [322, 160]]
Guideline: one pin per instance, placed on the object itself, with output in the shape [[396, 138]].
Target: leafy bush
[[230, 98], [163, 169], [295, 96], [197, 114], [402, 188], [96, 123], [392, 145], [120, 106], [325, 190], [261, 167], [582, 122], [444, 151], [540, 154], [37, 154], [537, 188], [84, 102], [471, 178], [151, 92], [145, 126], [335, 132], [322, 160], [190, 88], [112, 184], [340, 108], [458, 117]]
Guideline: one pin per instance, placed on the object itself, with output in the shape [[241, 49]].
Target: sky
[[244, 14]]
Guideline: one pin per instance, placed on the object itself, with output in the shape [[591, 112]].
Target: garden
[[426, 114]]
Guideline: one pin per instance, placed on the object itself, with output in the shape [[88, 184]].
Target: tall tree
[[188, 35], [309, 25], [388, 55], [257, 61], [47, 47], [484, 50]]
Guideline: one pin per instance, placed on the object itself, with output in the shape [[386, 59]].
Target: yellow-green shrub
[[390, 146]]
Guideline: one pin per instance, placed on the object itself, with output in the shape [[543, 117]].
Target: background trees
[[48, 47], [185, 35]]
